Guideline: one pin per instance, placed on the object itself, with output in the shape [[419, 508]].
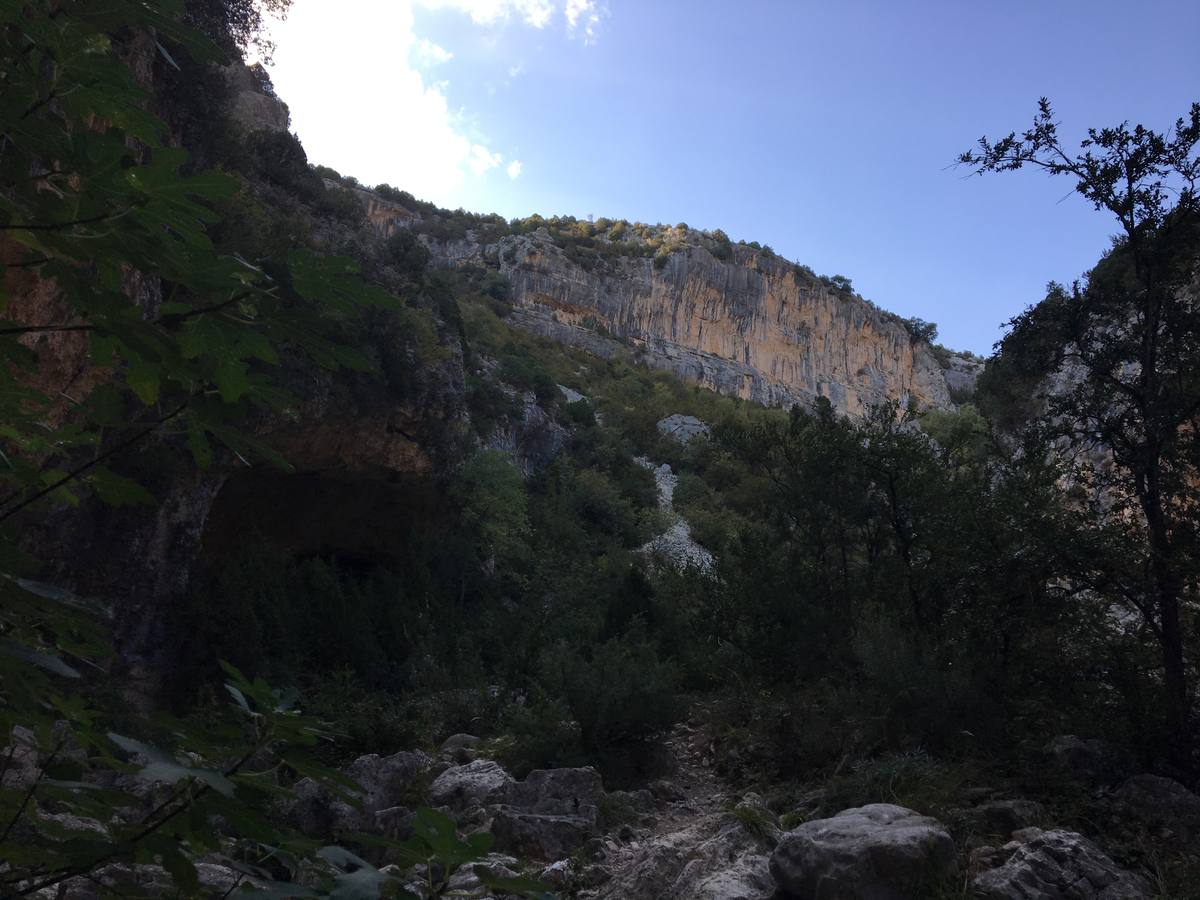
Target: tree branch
[[44, 329], [80, 470]]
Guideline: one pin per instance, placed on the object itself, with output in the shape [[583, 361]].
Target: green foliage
[[910, 778], [494, 513], [1027, 354], [112, 214], [525, 372], [72, 807], [722, 247], [621, 693], [312, 613], [920, 331], [407, 254], [1130, 335], [963, 434], [102, 213], [758, 821], [236, 24]]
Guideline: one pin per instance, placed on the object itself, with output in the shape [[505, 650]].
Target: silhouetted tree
[[1130, 338]]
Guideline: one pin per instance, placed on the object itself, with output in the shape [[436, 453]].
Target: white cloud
[[490, 12], [585, 14], [362, 104], [481, 159], [427, 53]]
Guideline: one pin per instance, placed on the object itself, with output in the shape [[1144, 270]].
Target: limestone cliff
[[735, 318], [754, 327]]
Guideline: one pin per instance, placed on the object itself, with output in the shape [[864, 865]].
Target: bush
[[523, 371], [407, 254], [619, 693], [541, 735], [920, 331], [722, 247], [841, 283]]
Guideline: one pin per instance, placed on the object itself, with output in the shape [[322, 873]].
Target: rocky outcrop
[[747, 323], [753, 326], [550, 813], [1053, 865], [675, 546], [390, 786], [532, 441], [875, 852], [712, 858], [1006, 816], [1161, 803], [682, 428], [253, 104], [475, 784]]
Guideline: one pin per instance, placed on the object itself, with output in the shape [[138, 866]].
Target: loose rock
[[875, 852], [475, 784], [1056, 864]]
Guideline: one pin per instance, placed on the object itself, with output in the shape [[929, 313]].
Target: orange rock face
[[754, 326]]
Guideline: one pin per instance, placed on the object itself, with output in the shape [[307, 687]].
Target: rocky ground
[[690, 836]]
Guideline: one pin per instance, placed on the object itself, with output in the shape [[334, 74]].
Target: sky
[[827, 130]]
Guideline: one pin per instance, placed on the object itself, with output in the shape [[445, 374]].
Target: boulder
[[538, 836], [1160, 801], [466, 881], [713, 858], [666, 790], [550, 813], [1078, 756], [460, 748], [682, 428], [558, 873], [475, 784], [390, 784], [389, 781], [22, 767], [1006, 816], [560, 792], [1054, 865], [875, 852]]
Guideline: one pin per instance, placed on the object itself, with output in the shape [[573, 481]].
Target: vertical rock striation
[[752, 325]]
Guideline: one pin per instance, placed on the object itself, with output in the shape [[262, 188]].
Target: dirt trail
[[704, 793], [695, 849]]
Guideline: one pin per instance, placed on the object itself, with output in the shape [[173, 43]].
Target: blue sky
[[826, 130]]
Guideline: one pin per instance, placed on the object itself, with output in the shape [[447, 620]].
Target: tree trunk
[[1170, 635]]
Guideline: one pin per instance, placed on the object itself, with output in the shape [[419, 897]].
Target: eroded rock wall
[[753, 326]]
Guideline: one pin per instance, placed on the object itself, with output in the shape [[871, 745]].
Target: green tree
[[1128, 340], [108, 262], [922, 332], [100, 222]]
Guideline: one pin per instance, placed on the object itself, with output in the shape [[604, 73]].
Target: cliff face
[[753, 325]]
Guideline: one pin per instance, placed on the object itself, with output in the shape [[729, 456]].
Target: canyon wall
[[752, 325]]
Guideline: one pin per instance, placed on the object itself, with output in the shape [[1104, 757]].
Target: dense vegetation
[[899, 606]]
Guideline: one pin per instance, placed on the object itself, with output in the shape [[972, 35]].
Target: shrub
[[522, 370], [920, 331], [619, 693], [722, 246], [540, 735], [407, 254], [841, 283]]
